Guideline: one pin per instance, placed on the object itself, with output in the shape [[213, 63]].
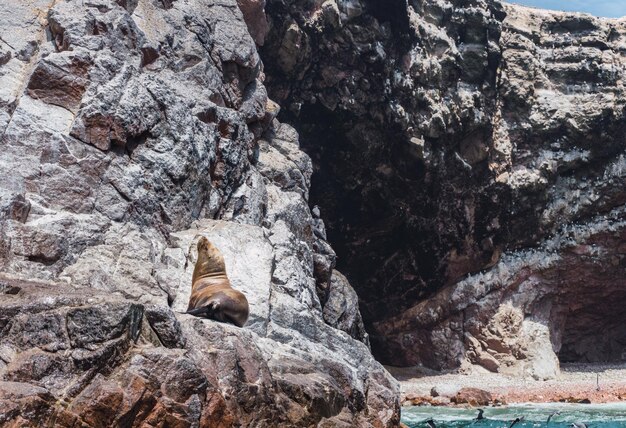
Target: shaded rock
[[99, 324], [14, 206], [61, 79], [166, 326], [22, 404], [294, 49], [254, 15], [342, 308], [459, 138]]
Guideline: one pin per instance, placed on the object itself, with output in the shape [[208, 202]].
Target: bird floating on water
[[578, 425], [431, 423], [558, 412], [516, 421], [480, 416]]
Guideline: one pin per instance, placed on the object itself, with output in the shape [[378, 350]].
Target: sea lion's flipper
[[199, 312], [207, 311]]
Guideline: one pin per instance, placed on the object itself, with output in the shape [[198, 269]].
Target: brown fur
[[211, 293]]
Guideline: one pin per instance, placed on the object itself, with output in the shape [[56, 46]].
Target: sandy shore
[[598, 383]]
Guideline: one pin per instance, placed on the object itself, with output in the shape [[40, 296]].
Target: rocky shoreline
[[576, 383]]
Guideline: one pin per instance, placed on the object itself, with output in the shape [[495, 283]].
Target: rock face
[[129, 129], [469, 162], [467, 157], [342, 309]]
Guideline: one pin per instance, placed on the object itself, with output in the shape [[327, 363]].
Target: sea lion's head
[[210, 259]]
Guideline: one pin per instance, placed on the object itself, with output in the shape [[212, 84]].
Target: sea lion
[[211, 293]]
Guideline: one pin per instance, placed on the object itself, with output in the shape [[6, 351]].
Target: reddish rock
[[254, 15], [99, 404], [23, 404], [61, 79], [119, 373], [472, 396]]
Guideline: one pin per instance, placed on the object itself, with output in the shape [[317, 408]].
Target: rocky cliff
[[128, 130], [469, 161], [461, 162]]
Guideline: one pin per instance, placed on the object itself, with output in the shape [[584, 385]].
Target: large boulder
[[103, 352], [127, 128]]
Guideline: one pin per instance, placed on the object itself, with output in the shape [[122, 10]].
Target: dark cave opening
[[595, 336], [592, 301], [361, 183], [413, 203], [391, 221], [370, 182], [594, 330]]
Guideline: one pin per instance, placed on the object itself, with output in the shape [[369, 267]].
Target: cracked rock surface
[[465, 159], [448, 139], [129, 129]]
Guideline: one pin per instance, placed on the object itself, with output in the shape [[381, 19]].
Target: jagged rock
[[458, 136], [254, 15], [130, 363], [467, 156], [127, 127], [342, 308]]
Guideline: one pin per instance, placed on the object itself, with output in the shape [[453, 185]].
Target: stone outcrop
[[342, 308], [129, 129], [465, 159], [470, 172]]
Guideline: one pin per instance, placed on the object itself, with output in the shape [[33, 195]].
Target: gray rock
[[166, 326], [342, 308], [130, 128], [14, 206]]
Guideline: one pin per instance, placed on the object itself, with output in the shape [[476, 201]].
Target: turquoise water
[[535, 415]]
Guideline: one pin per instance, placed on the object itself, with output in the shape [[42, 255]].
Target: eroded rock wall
[[129, 129], [448, 138]]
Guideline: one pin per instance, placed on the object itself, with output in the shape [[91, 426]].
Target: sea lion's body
[[211, 293]]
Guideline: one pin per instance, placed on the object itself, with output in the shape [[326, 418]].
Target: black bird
[[516, 421], [431, 423], [578, 425], [551, 415], [480, 416]]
